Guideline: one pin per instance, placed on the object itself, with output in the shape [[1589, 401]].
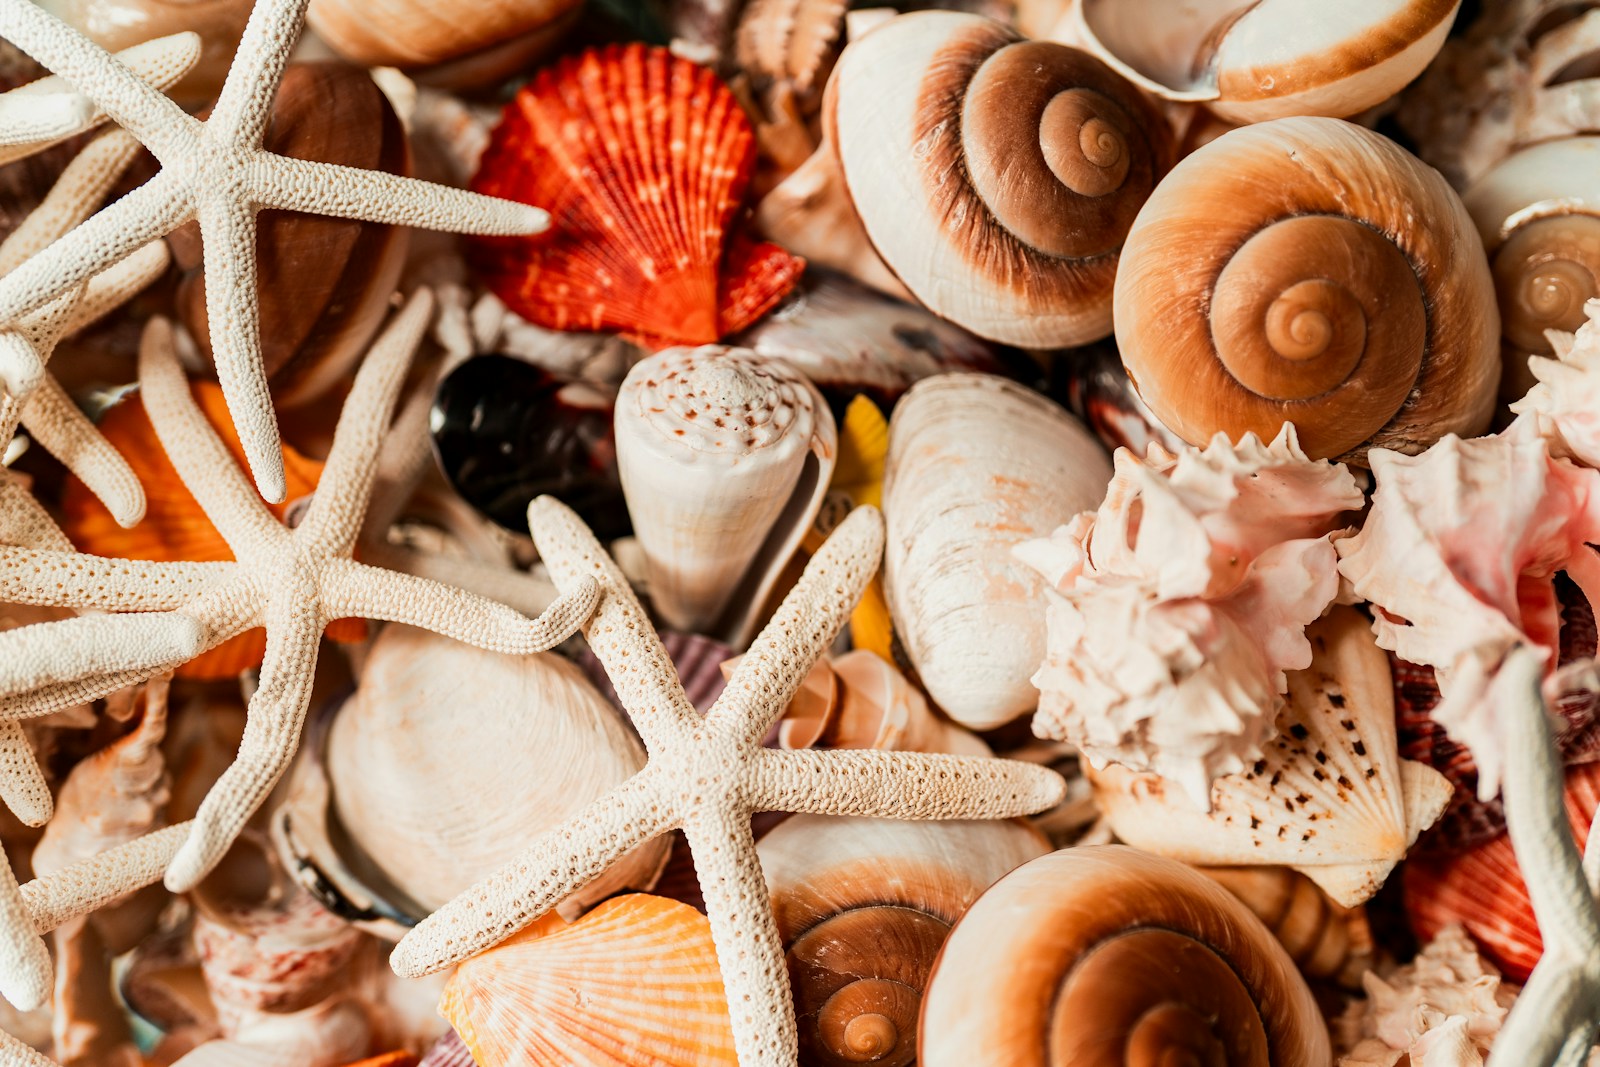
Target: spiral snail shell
[[1538, 213], [863, 906], [1104, 956], [1309, 271], [997, 177]]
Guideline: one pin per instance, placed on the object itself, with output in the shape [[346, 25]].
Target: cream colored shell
[[977, 464], [416, 33]]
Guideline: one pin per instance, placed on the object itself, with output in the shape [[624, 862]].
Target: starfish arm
[[21, 371], [25, 974], [619, 633], [76, 580], [802, 628], [515, 589], [24, 523], [749, 950], [116, 285], [354, 590], [377, 196], [245, 103], [107, 237], [91, 884], [84, 183], [555, 865], [901, 785], [203, 463], [1556, 1005], [63, 430], [26, 119], [14, 1053], [22, 786], [70, 694], [49, 653], [92, 71], [406, 458], [334, 518]]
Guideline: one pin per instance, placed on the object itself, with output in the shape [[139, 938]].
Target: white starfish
[[707, 775], [217, 172], [293, 582]]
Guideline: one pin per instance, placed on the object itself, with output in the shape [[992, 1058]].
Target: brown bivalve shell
[[997, 177], [1251, 60], [1324, 939], [1101, 956], [1538, 213], [1309, 271], [863, 906]]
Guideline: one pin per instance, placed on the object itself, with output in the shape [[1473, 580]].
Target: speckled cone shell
[[1103, 947], [1252, 61], [1330, 797], [634, 981], [725, 457], [449, 758], [976, 465]]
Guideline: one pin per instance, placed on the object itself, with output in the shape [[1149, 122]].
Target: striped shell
[[651, 254], [635, 981]]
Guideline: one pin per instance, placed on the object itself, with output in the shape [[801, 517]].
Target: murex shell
[[976, 465]]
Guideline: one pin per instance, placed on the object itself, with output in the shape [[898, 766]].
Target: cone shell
[[1252, 60], [997, 177], [1325, 940], [976, 465], [1330, 797], [175, 527], [863, 906], [1483, 889], [448, 758], [642, 160], [725, 457], [634, 981], [1324, 277], [1105, 947]]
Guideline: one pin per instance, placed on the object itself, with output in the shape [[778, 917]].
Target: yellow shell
[[634, 982]]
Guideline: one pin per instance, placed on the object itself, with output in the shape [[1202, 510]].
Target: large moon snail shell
[[1309, 271], [1538, 213], [997, 177], [1105, 956]]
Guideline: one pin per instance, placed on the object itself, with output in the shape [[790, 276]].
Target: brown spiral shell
[[997, 177], [1309, 271], [1105, 956], [863, 906], [1325, 940]]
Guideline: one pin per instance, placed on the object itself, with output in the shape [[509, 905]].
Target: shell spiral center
[[1544, 274], [1082, 145]]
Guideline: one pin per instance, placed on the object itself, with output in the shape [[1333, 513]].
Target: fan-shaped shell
[[863, 906], [997, 177], [1106, 955], [1538, 213], [413, 33], [725, 457], [448, 759], [1309, 271], [976, 465], [633, 981], [1483, 889], [1251, 60], [1330, 797], [642, 160]]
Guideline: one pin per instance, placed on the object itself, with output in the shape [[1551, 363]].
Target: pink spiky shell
[[642, 160]]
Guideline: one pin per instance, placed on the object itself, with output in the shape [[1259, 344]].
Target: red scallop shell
[[1469, 822], [642, 160], [1484, 892]]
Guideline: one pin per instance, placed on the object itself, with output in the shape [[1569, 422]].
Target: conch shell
[[725, 457], [976, 465], [1178, 607]]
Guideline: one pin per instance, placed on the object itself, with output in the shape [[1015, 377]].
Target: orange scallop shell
[[174, 526], [1484, 892], [642, 160]]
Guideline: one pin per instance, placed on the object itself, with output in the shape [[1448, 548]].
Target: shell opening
[[1543, 276]]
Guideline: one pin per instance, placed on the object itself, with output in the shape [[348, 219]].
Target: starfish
[[293, 582], [706, 775], [216, 171], [32, 396]]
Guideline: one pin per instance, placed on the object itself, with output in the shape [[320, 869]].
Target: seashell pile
[[665, 533]]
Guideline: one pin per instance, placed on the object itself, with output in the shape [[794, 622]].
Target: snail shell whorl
[[1104, 956], [1020, 167], [1327, 278]]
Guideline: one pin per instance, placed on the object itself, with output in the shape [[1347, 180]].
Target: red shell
[[642, 160], [1484, 892], [1469, 822]]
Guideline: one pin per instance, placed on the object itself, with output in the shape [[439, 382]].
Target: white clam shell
[[725, 457], [977, 464]]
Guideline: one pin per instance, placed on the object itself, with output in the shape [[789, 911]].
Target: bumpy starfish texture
[[293, 582], [216, 171], [707, 775]]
